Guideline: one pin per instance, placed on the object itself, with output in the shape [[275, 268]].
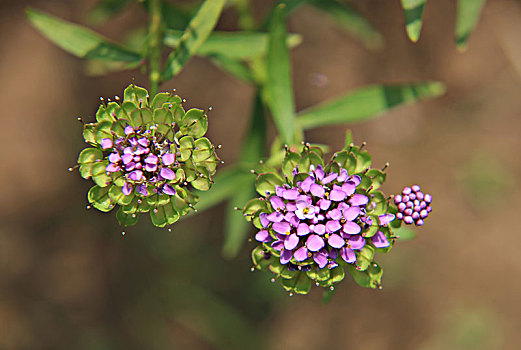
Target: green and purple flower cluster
[[318, 219], [147, 156]]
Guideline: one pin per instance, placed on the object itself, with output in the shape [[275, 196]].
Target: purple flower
[[348, 255], [413, 205], [127, 189], [112, 168], [277, 202], [304, 210], [379, 240], [142, 189], [263, 236], [317, 190], [351, 228], [136, 175], [335, 241], [301, 254], [282, 227], [168, 159], [285, 256], [306, 184]]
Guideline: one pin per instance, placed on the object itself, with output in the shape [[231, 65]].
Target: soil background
[[69, 280]]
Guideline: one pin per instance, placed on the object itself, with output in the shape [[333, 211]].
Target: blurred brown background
[[69, 280]]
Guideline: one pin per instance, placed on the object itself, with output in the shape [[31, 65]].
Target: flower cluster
[[318, 220], [147, 157], [413, 205]]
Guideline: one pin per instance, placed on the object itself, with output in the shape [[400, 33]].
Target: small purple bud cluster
[[413, 205], [146, 161], [318, 220]]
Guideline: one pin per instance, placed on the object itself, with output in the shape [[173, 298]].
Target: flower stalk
[[155, 47]]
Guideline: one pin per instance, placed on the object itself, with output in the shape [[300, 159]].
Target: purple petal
[[127, 189], [329, 178], [169, 190], [167, 173], [302, 229], [168, 159], [285, 256], [282, 227], [276, 202], [112, 168], [279, 190], [385, 219], [351, 228], [337, 195], [264, 219], [333, 254], [290, 194], [114, 157], [333, 226], [356, 179], [263, 236], [355, 242], [335, 241], [136, 175], [142, 188], [291, 206], [324, 204], [358, 199], [130, 166], [291, 241], [315, 243], [319, 172], [151, 159], [343, 175], [317, 190], [306, 184], [277, 245], [143, 142], [349, 188], [150, 167], [129, 130], [127, 158], [106, 143], [320, 229], [275, 216], [428, 198], [301, 254], [351, 213], [379, 240], [334, 214], [320, 259], [348, 255]]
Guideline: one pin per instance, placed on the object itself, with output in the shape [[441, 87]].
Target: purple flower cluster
[[319, 219], [413, 205], [146, 162]]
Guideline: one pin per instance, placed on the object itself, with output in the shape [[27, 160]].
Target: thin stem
[[155, 47]]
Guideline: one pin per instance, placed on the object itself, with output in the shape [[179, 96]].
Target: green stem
[[155, 47]]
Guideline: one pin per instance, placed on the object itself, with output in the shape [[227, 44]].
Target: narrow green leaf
[[193, 37], [413, 10], [79, 41], [235, 227], [367, 103], [236, 45], [279, 85], [467, 16], [174, 17]]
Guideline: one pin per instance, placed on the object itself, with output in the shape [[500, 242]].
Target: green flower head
[[147, 156]]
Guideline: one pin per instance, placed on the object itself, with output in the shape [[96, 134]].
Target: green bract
[[147, 156], [318, 219]]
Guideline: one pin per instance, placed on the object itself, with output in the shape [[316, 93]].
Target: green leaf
[[367, 103], [79, 41], [89, 155], [193, 37], [413, 10], [259, 258], [467, 16], [266, 183], [352, 22], [195, 123], [233, 45], [100, 199], [203, 149], [125, 219], [253, 148], [99, 174], [364, 257], [370, 278], [117, 196], [279, 85], [300, 283], [137, 95]]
